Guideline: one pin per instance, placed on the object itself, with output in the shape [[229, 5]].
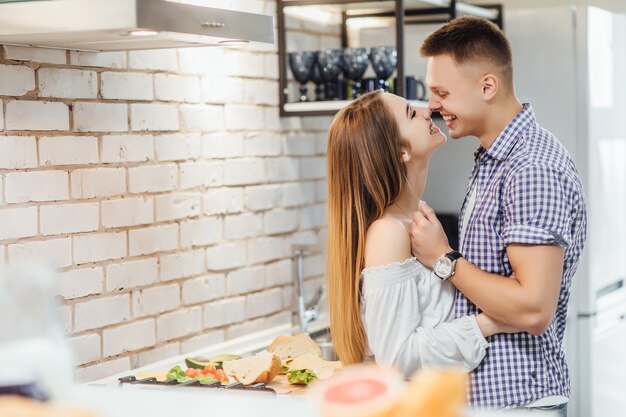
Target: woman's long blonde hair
[[365, 175]]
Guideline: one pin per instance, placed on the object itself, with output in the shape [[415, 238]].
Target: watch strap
[[454, 255]]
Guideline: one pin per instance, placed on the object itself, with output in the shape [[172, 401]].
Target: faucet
[[307, 312]]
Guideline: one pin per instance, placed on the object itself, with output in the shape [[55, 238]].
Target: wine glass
[[301, 64], [384, 60], [316, 77], [331, 65], [355, 63]]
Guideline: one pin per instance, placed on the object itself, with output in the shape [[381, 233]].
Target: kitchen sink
[[325, 342]]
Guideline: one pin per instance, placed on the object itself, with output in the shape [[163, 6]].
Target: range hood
[[119, 25]]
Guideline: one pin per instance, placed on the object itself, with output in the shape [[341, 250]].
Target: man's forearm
[[503, 298]]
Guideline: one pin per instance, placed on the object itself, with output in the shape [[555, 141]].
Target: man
[[522, 225]]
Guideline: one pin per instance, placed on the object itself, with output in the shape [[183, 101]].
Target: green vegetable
[[217, 361], [301, 376], [178, 374]]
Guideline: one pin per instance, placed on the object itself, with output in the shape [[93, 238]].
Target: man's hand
[[428, 240]]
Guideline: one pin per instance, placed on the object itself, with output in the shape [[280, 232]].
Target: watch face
[[443, 267]]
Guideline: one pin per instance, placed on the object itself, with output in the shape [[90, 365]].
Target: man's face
[[456, 92]]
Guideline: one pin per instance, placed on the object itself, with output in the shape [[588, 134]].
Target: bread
[[323, 369], [434, 393], [262, 367], [290, 347]]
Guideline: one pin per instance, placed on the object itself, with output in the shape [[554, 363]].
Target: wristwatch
[[445, 265]]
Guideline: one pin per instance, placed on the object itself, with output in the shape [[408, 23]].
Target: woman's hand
[[489, 326]]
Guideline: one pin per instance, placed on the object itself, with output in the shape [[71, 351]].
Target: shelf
[[367, 6], [328, 106], [398, 12]]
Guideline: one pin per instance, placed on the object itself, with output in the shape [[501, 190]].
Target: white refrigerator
[[570, 63]]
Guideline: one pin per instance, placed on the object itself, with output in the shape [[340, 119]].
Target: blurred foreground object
[[373, 391], [35, 357], [15, 406]]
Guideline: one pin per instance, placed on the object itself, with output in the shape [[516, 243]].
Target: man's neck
[[500, 116]]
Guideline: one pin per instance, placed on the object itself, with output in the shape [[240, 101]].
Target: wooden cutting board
[[283, 387]]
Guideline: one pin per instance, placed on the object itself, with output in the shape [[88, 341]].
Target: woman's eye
[[413, 114]]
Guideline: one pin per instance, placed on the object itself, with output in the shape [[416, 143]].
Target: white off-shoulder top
[[408, 312]]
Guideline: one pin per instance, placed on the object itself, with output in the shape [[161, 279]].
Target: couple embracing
[[398, 293]]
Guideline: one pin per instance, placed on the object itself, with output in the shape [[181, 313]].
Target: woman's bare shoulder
[[386, 241]]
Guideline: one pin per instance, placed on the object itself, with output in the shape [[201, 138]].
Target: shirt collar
[[502, 146]]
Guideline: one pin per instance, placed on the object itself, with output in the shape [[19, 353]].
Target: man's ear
[[489, 85]]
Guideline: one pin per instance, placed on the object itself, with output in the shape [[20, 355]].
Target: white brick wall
[[21, 187], [177, 147], [81, 282], [69, 218], [18, 222], [126, 86], [16, 80], [101, 312], [153, 178], [131, 274], [153, 117], [100, 117], [86, 348], [153, 239], [179, 323], [99, 182], [68, 150], [67, 83], [99, 247], [182, 265], [223, 257], [156, 300], [127, 148], [128, 212], [166, 188], [36, 115], [127, 337], [206, 288]]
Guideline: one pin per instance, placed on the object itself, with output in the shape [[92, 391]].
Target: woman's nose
[[425, 112]]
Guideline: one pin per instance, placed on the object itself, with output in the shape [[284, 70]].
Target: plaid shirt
[[528, 192]]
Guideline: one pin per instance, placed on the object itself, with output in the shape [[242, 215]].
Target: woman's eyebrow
[[407, 109]]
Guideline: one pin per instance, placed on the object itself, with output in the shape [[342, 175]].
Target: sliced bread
[[262, 367], [322, 369], [290, 347]]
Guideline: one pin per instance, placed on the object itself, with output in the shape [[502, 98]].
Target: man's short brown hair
[[468, 39]]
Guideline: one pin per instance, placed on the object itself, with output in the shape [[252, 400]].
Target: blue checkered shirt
[[528, 192]]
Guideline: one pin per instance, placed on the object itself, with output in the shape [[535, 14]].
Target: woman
[[382, 300]]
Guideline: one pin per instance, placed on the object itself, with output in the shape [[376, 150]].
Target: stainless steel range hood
[[115, 25]]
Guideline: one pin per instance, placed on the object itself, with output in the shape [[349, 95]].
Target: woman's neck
[[409, 199]]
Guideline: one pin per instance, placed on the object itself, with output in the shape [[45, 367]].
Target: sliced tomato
[[220, 375], [210, 368]]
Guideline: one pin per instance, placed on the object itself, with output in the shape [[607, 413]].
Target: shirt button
[[533, 374]]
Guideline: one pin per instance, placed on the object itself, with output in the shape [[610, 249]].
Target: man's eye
[[413, 113], [443, 95]]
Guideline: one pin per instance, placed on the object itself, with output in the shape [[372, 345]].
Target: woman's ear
[[490, 86], [406, 155]]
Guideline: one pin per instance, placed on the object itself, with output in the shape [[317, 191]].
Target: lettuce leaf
[[301, 376], [179, 375]]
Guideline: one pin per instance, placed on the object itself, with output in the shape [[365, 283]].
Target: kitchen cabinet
[[391, 13]]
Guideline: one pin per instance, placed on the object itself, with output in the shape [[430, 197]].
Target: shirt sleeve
[[393, 324], [535, 208]]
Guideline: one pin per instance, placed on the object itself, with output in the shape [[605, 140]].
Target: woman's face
[[415, 126]]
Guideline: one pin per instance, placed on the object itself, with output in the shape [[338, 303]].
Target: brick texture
[[166, 190]]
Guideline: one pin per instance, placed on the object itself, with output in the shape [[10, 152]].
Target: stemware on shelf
[[301, 64], [384, 60], [355, 64], [316, 77], [331, 66]]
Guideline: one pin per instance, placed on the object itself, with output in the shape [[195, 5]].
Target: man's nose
[[433, 103]]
